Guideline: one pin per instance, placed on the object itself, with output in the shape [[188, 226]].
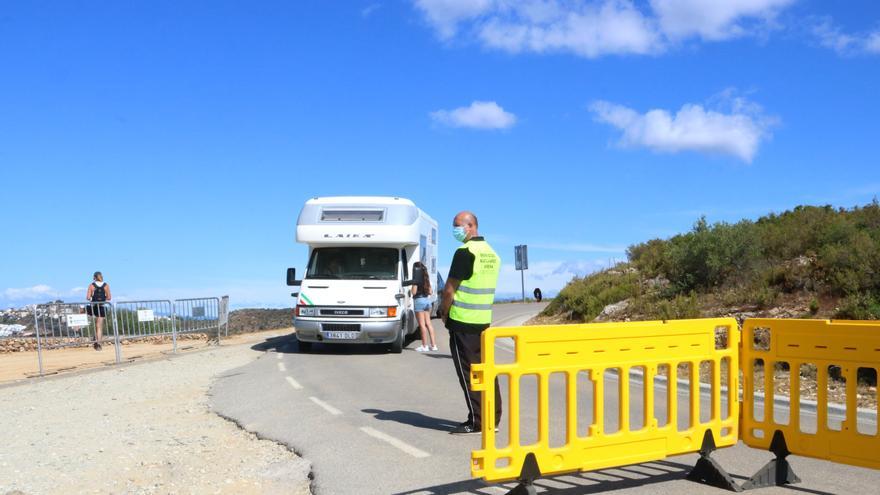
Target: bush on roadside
[[861, 306], [584, 298], [819, 250]]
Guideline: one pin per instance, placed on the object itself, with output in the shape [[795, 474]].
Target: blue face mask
[[459, 233]]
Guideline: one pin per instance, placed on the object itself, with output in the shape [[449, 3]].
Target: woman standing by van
[[423, 310], [98, 293]]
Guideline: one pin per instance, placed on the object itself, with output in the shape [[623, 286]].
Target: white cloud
[[714, 20], [242, 293], [872, 44], [693, 128], [593, 28], [37, 291], [831, 36], [479, 115], [445, 15], [550, 276], [579, 247], [370, 9], [592, 31]]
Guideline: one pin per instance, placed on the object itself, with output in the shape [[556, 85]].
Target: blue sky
[[172, 144]]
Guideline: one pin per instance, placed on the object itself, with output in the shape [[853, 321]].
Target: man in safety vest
[[466, 309]]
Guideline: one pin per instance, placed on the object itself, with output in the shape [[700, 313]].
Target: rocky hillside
[[813, 262]]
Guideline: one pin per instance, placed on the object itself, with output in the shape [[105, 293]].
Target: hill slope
[[807, 262]]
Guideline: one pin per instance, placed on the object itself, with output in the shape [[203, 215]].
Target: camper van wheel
[[398, 344]]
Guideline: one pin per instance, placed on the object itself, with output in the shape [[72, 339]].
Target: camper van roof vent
[[351, 215]]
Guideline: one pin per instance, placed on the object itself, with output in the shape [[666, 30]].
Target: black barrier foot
[[708, 471], [778, 471], [527, 476]]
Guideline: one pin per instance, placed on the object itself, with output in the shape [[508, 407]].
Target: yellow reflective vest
[[473, 300]]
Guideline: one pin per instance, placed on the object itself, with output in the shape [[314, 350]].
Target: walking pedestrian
[[98, 294], [538, 295], [466, 309], [422, 303]]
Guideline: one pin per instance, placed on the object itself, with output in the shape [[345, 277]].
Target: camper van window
[[353, 263], [332, 215]]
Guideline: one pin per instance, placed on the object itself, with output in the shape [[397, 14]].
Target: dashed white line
[[400, 444], [281, 367], [293, 383], [278, 355], [327, 407]]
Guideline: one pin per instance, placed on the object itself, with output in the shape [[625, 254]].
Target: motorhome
[[357, 284]]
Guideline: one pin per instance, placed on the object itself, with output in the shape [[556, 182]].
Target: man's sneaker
[[464, 429], [435, 348]]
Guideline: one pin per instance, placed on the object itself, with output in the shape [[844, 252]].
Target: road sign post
[[521, 254]]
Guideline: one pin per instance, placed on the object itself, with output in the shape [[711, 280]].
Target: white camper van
[[356, 287]]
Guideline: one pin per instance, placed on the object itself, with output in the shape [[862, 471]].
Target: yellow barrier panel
[[792, 348], [627, 348]]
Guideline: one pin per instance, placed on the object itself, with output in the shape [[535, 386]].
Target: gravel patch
[[142, 429]]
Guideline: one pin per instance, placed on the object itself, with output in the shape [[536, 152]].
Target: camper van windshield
[[353, 263]]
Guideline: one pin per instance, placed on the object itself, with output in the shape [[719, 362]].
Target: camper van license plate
[[341, 335]]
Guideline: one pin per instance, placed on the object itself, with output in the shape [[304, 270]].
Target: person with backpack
[[98, 294], [422, 307]]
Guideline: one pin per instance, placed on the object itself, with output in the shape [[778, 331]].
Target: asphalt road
[[372, 422]]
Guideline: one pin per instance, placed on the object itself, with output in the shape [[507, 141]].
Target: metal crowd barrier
[[59, 325], [143, 319], [625, 357], [838, 352], [591, 351], [198, 315]]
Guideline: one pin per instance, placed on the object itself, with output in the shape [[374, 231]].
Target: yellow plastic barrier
[[596, 348], [814, 429]]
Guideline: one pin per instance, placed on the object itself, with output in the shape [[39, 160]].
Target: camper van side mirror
[[418, 276], [291, 277]]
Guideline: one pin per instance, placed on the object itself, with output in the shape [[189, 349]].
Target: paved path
[[372, 422]]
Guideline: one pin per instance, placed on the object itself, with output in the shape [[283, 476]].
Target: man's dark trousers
[[465, 349]]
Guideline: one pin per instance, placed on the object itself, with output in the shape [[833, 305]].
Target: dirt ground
[[145, 428], [17, 366]]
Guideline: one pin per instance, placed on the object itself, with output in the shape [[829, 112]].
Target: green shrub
[[833, 251], [584, 298], [819, 249], [861, 306], [678, 308]]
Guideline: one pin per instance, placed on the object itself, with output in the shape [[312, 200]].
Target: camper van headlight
[[305, 311], [384, 312]]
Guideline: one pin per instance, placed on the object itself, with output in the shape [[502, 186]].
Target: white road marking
[[501, 322], [505, 344], [277, 355], [400, 444], [281, 367], [327, 407], [293, 383]]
